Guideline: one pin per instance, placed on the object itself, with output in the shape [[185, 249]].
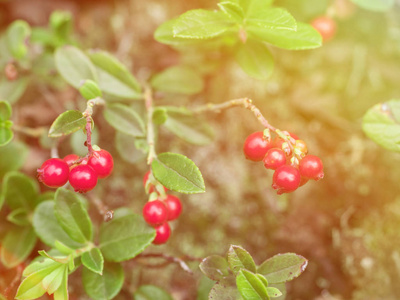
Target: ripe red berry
[[155, 212], [286, 179], [53, 172], [274, 158], [70, 158], [151, 186], [325, 26], [83, 178], [163, 233], [174, 207], [255, 146], [102, 162], [311, 167]]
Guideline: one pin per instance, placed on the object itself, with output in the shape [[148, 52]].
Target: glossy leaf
[[93, 260], [250, 286], [31, 287], [233, 10], [72, 216], [225, 290], [283, 267], [375, 5], [215, 267], [185, 125], [17, 245], [6, 135], [178, 173], [5, 111], [201, 24], [132, 149], [13, 90], [62, 248], [272, 18], [124, 238], [179, 80], [67, 123], [17, 35], [62, 292], [48, 228], [305, 37], [255, 59], [105, 286], [273, 292], [282, 289], [165, 34], [124, 118], [113, 77], [40, 264], [90, 90], [151, 292], [239, 258], [19, 217], [53, 281], [251, 7], [74, 66], [13, 156], [381, 124]]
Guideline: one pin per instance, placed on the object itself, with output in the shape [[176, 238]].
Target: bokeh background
[[347, 225]]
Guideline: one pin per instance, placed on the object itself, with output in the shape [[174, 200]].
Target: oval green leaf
[[67, 123], [250, 286], [225, 290], [19, 217], [239, 258], [6, 135], [272, 18], [93, 260], [274, 292], [233, 10], [13, 90], [13, 156], [151, 292], [5, 111], [89, 89], [215, 267], [17, 34], [165, 34], [178, 173], [375, 5], [125, 119]]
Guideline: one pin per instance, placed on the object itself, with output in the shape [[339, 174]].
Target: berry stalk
[[148, 95]]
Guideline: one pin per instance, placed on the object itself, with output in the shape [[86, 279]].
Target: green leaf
[[13, 156], [19, 191], [62, 292], [225, 290], [283, 267], [61, 25], [93, 260], [124, 238], [17, 35], [215, 267], [251, 7], [160, 115], [53, 281], [67, 123], [105, 286], [6, 135], [179, 80], [185, 125], [125, 119], [165, 34], [90, 90], [13, 90], [375, 5], [282, 289], [60, 259], [151, 292], [40, 264], [72, 216], [64, 249], [381, 123], [255, 59], [271, 18], [114, 78], [305, 37], [132, 149], [5, 111], [74, 66], [201, 24], [239, 258], [233, 10], [273, 292], [250, 286], [178, 173], [17, 245], [19, 217], [48, 228]]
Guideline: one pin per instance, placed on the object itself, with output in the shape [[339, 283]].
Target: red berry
[[325, 26], [151, 186], [274, 158], [70, 159], [102, 162], [162, 234], [83, 178], [311, 167], [174, 207], [155, 212], [255, 146], [53, 172], [286, 179]]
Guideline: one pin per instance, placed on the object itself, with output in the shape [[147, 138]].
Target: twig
[[150, 127], [168, 260], [32, 132]]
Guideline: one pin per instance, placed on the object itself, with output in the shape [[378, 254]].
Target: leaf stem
[[150, 126]]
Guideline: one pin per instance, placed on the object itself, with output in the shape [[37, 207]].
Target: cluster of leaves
[[238, 277]]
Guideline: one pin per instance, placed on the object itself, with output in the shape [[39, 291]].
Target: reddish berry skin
[[163, 233], [255, 146], [311, 167], [83, 178], [102, 162], [155, 212], [70, 158], [151, 186], [274, 159], [53, 172], [174, 207], [286, 179], [325, 26]]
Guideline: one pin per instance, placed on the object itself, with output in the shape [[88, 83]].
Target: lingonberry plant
[[65, 220]]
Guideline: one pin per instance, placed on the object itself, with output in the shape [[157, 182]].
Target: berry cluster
[[82, 173], [159, 211], [287, 156]]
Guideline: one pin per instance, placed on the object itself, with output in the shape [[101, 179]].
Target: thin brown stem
[[150, 127], [168, 260], [32, 132]]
